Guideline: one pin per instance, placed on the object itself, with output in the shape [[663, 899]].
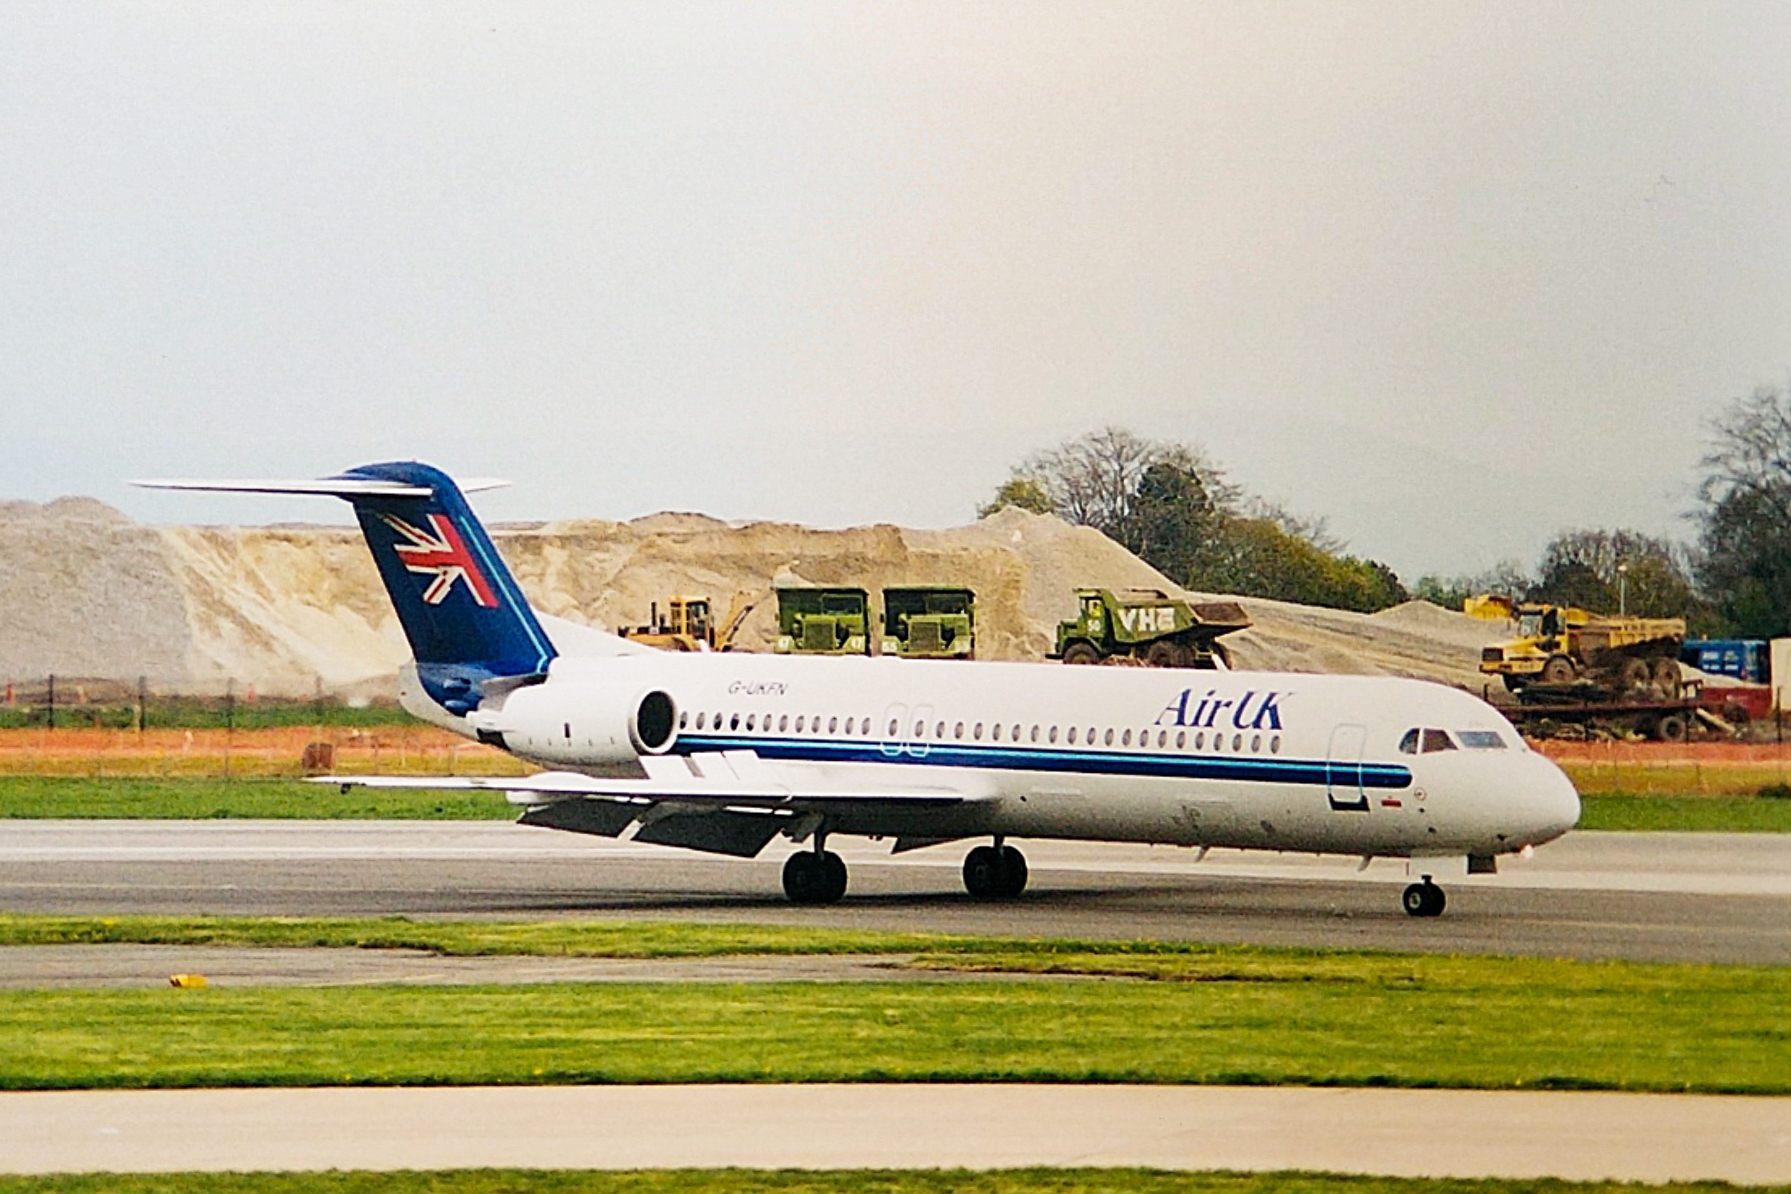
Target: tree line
[[1173, 507]]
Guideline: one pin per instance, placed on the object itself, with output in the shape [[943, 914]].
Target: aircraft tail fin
[[463, 612]]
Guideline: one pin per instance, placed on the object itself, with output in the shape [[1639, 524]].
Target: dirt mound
[[286, 608]]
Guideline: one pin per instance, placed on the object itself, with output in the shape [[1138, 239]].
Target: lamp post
[[1622, 589]]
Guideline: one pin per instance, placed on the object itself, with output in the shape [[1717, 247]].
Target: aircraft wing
[[727, 802]]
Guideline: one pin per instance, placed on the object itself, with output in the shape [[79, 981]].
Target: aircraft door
[[894, 728], [1343, 769]]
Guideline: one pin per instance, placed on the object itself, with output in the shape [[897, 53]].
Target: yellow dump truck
[[1562, 644]]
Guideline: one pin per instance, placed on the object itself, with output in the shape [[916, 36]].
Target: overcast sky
[[1453, 276]]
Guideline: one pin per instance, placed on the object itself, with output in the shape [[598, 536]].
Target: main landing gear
[[995, 872], [815, 876], [1423, 899]]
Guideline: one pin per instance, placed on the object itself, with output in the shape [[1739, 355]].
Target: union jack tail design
[[441, 555]]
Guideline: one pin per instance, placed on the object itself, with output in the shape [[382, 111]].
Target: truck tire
[[1635, 675], [1670, 728], [1666, 677], [1558, 670], [1162, 653], [1081, 653]]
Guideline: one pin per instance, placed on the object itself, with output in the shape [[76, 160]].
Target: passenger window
[[977, 733], [749, 722], [957, 731], [1053, 735], [799, 723], [1237, 742], [1181, 739], [1072, 735], [1200, 740], [783, 723], [1256, 744], [833, 723], [1275, 745], [734, 722]]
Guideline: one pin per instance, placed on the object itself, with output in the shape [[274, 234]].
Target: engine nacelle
[[580, 722]]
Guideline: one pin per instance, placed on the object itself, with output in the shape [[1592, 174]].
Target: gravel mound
[[90, 593]]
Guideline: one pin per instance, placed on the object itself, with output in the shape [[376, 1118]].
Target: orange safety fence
[[274, 752]]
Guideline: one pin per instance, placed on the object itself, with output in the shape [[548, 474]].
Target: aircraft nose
[[1556, 803]]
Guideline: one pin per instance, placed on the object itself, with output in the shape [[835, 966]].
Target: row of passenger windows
[[1429, 741], [1253, 743]]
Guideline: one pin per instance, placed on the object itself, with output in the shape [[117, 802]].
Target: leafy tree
[[1507, 578], [1605, 571], [1019, 491], [1745, 558], [1172, 507]]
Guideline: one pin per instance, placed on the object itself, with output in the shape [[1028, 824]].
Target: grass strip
[[590, 939], [1684, 814], [1193, 1015], [87, 797], [853, 1181]]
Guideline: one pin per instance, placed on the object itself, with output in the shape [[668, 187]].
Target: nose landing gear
[[1423, 899]]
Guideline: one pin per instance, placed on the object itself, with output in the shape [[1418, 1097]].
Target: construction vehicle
[[1150, 627], [929, 622], [689, 626], [1562, 645], [817, 620]]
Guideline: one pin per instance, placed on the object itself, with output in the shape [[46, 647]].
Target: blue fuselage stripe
[[1017, 758]]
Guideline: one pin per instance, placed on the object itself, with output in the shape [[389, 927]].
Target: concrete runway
[[1648, 1138], [1723, 898], [1655, 897]]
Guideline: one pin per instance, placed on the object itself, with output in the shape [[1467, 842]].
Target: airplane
[[724, 752]]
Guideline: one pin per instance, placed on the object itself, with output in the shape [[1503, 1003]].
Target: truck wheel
[[1081, 653], [1666, 677], [1635, 675], [1162, 654], [1670, 728], [1558, 670]]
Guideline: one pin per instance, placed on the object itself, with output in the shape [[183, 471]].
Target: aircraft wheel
[[1013, 872], [995, 874], [1423, 899], [815, 878]]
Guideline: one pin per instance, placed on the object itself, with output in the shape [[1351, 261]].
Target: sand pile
[[89, 593]]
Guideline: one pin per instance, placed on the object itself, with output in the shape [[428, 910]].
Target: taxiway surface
[[1655, 897]]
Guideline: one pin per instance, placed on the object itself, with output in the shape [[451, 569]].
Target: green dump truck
[[818, 620], [1150, 627], [929, 622]]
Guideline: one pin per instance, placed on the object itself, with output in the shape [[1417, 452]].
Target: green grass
[[1143, 1013], [856, 1181], [31, 796], [1684, 814], [552, 938]]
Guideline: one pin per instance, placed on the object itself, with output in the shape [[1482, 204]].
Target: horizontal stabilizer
[[342, 487]]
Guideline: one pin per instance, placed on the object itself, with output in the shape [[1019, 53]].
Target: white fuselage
[[1371, 766]]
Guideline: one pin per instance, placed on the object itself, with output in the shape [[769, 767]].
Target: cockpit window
[[1425, 741], [1481, 739]]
